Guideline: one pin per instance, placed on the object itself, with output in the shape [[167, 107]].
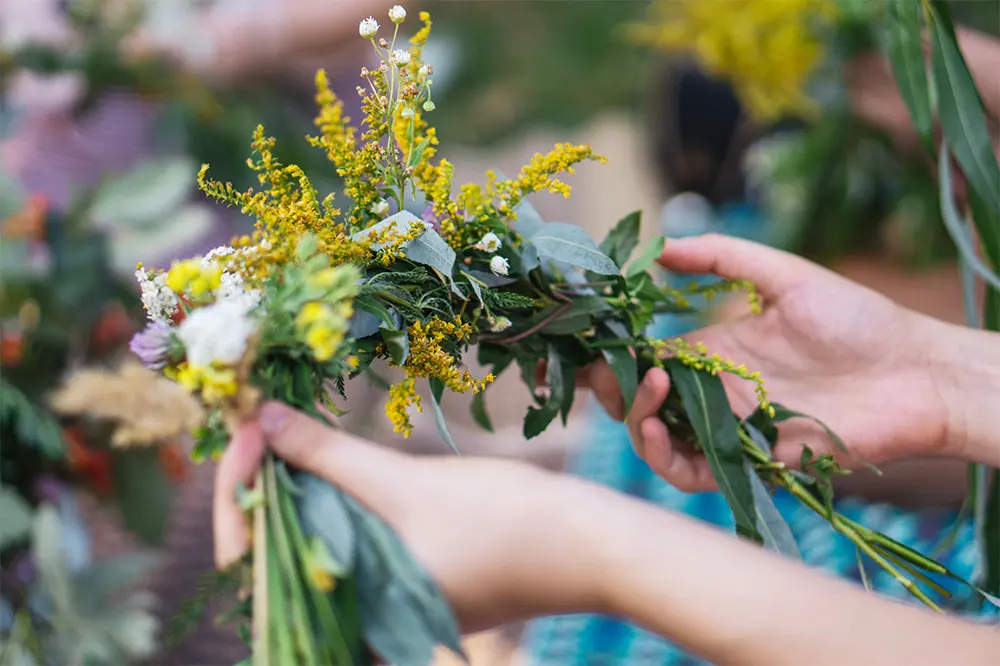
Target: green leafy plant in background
[[942, 93]]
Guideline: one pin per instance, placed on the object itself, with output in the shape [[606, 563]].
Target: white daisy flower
[[489, 243]]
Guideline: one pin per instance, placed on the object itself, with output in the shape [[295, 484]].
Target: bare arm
[[736, 604]]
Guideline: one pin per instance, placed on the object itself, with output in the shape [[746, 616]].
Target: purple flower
[[431, 218], [152, 344]]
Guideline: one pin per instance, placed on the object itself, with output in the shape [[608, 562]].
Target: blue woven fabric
[[590, 640]]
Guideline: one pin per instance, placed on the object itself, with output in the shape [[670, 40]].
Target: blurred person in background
[[700, 137]]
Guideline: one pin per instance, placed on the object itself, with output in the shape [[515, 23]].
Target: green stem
[[837, 521]]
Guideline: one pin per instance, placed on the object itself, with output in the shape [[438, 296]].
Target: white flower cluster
[[158, 299], [216, 333], [232, 286]]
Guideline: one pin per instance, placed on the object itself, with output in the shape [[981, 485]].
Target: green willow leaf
[[704, 399], [437, 390], [623, 364], [622, 239], [906, 54], [570, 244], [961, 109], [957, 228]]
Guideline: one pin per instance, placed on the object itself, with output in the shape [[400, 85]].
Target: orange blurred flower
[[28, 223], [11, 348], [95, 466]]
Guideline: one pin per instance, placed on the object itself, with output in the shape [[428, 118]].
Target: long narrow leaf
[[772, 526], [711, 417], [906, 54]]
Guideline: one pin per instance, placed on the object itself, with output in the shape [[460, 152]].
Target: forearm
[[734, 603]]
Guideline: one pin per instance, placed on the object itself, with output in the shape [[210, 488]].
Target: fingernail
[[272, 416]]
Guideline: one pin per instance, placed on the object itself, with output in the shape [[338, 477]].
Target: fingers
[[239, 465], [652, 392], [367, 471], [674, 461], [602, 381], [772, 271]]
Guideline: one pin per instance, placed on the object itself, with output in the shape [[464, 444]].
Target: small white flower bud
[[429, 106], [399, 57], [368, 27], [499, 265], [397, 14]]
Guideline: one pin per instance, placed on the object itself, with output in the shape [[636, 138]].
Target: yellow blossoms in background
[[767, 49]]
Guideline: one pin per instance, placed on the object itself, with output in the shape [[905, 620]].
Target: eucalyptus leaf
[[649, 255], [364, 324], [961, 110], [403, 612], [94, 587], [53, 572], [144, 492], [400, 224], [437, 390], [622, 239], [322, 514], [15, 517], [571, 244], [528, 221], [623, 364], [476, 287], [905, 50], [707, 407]]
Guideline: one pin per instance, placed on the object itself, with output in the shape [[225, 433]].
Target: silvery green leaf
[[364, 324], [491, 279], [476, 288], [400, 222], [528, 222], [771, 525], [76, 543], [15, 516], [403, 611], [570, 244], [147, 194], [437, 390], [134, 633], [322, 513], [432, 250], [528, 259]]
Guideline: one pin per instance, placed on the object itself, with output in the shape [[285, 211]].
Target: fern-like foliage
[[212, 584]]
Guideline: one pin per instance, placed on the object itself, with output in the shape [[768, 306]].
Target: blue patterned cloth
[[590, 640]]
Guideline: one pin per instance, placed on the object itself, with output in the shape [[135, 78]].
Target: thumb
[[772, 271], [365, 470]]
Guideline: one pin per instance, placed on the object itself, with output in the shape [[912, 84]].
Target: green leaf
[[479, 413], [15, 517], [649, 255], [437, 390], [53, 572], [704, 400], [773, 528], [538, 419], [93, 588], [957, 228], [398, 343], [903, 31], [147, 194], [475, 286], [961, 109], [404, 614], [322, 514], [144, 492], [528, 220], [432, 250], [624, 366], [570, 244], [33, 425], [622, 239]]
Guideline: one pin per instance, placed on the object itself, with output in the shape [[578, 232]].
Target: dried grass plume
[[146, 407]]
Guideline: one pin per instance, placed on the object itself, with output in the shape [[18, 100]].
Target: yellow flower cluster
[[429, 359], [697, 357], [402, 395], [766, 48], [216, 384], [191, 277], [324, 323], [710, 291], [539, 175]]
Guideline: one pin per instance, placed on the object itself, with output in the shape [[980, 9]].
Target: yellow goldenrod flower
[[402, 395]]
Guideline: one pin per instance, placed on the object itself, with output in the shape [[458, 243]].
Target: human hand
[[871, 370], [503, 540]]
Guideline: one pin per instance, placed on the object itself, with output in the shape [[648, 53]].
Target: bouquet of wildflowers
[[327, 287]]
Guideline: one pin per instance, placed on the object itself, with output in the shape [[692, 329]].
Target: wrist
[[967, 378]]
